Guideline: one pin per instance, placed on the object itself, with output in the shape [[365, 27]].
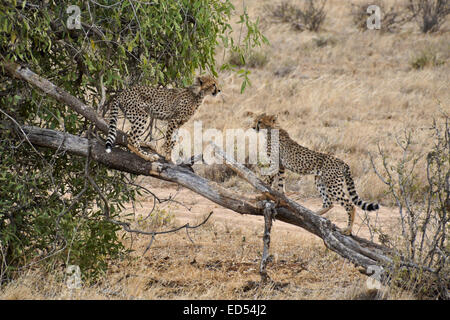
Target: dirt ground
[[195, 207], [220, 259]]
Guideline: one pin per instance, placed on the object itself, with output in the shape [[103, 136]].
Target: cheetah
[[176, 105], [330, 173]]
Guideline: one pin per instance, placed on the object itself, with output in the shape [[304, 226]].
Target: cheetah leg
[[169, 143], [141, 153], [351, 218], [267, 179], [281, 184], [270, 178], [326, 202], [322, 211], [137, 128], [348, 205]]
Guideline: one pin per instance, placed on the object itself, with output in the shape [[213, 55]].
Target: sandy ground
[[196, 207], [220, 259]]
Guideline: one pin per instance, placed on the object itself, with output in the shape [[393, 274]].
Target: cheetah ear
[[200, 81], [248, 114]]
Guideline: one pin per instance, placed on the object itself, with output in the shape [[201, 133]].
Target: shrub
[[324, 41], [429, 14], [391, 19], [426, 58], [310, 16], [254, 59], [424, 209], [48, 214]]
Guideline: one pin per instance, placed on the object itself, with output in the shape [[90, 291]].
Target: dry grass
[[222, 263], [342, 91], [342, 96]]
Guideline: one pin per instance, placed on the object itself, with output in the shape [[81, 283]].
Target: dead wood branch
[[269, 213], [359, 251]]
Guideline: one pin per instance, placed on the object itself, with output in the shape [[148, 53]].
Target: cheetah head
[[207, 85], [264, 121]]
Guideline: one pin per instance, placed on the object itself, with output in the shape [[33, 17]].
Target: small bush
[[426, 58], [283, 12], [391, 20], [43, 222], [310, 16], [284, 70], [255, 59], [423, 210], [324, 41], [430, 14]]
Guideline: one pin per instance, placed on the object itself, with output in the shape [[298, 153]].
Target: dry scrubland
[[221, 263], [338, 91], [357, 90]]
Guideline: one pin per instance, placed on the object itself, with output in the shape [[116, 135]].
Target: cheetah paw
[[149, 157], [150, 145], [144, 156], [347, 231], [168, 157]]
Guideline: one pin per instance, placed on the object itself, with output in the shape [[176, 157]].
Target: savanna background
[[340, 89]]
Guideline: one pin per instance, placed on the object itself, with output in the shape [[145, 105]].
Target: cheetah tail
[[369, 206], [112, 126]]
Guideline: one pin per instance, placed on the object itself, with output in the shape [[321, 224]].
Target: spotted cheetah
[[175, 105], [330, 172]]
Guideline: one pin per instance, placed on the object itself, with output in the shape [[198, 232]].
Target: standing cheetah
[[175, 105], [330, 173]]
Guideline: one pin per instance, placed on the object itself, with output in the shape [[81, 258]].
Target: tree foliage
[[47, 210]]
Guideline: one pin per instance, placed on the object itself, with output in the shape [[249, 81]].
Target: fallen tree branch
[[360, 251]]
